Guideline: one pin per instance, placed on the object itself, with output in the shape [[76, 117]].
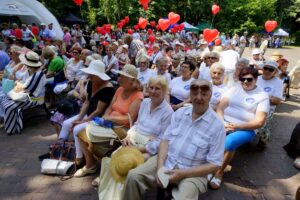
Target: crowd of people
[[186, 105]]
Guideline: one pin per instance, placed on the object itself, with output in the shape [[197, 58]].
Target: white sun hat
[[97, 68]]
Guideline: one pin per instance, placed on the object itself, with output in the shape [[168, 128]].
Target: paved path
[[264, 175]]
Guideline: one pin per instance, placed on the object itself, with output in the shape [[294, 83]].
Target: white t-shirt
[[144, 76], [204, 72], [229, 58], [243, 105], [273, 87], [180, 89], [113, 60], [217, 93], [72, 68]]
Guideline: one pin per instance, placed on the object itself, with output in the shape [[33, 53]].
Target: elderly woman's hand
[[126, 141], [230, 127]]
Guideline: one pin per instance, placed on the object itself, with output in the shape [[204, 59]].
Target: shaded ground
[[264, 175]]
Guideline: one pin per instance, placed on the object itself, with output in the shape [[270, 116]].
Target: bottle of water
[[101, 122]]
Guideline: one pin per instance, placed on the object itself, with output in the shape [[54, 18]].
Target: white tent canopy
[[30, 11], [281, 32]]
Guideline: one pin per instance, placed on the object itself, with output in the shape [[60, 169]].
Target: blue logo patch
[[217, 94], [267, 89], [187, 87], [250, 100], [141, 78]]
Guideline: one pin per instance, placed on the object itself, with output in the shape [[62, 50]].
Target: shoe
[[85, 171], [297, 163], [96, 182], [44, 156]]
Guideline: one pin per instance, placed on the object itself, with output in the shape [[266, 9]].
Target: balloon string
[[212, 21]]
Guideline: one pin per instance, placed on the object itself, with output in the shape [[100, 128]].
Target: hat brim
[[129, 151], [101, 75], [28, 63], [123, 73]]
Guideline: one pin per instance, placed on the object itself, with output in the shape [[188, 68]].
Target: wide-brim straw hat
[[123, 160], [97, 68], [30, 59], [128, 70]]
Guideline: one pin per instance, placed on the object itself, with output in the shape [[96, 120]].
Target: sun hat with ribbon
[[123, 160], [30, 59], [97, 68], [128, 70]]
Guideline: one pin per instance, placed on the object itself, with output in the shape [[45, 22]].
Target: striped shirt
[[192, 143], [35, 84]]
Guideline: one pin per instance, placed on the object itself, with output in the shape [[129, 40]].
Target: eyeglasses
[[269, 69], [185, 66], [203, 88], [211, 58], [246, 79], [143, 62]]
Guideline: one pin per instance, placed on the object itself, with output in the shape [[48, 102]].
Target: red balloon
[[144, 3], [105, 43], [107, 27], [164, 24], [35, 30], [270, 25], [78, 2], [18, 33], [157, 27], [173, 17], [142, 23], [120, 25], [99, 29], [136, 27], [181, 27], [217, 41], [215, 9], [130, 31], [173, 30], [126, 19], [150, 31], [153, 23], [210, 34], [152, 38], [146, 6], [123, 22]]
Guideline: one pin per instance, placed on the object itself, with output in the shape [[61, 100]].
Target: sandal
[[96, 182], [215, 183], [209, 177]]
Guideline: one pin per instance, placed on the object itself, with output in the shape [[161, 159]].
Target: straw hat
[[128, 70], [30, 59], [123, 160], [97, 68]]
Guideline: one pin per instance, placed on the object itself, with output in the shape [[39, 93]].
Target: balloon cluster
[[123, 22], [106, 28], [173, 18]]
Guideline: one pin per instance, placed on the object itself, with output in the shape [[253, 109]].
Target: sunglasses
[[211, 58], [203, 88], [246, 79], [269, 69]]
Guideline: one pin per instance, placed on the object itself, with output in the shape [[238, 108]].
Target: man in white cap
[[256, 60], [178, 51], [44, 32], [52, 33]]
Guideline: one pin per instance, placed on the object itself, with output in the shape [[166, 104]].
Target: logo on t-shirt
[[187, 87], [267, 89], [250, 100], [217, 94], [141, 78]]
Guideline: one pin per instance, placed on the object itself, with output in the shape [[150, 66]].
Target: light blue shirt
[[4, 60]]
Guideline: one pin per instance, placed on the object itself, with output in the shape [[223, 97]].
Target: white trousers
[[66, 130]]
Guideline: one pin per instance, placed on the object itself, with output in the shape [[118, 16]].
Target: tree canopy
[[235, 16]]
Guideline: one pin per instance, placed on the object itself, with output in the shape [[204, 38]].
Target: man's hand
[[175, 175]]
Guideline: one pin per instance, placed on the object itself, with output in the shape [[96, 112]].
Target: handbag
[[18, 96], [62, 159], [97, 133]]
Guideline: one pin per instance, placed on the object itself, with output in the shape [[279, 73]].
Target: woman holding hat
[[99, 95], [123, 108], [34, 85]]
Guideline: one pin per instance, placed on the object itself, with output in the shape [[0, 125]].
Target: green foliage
[[235, 16]]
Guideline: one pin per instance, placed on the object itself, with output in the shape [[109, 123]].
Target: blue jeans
[[238, 138]]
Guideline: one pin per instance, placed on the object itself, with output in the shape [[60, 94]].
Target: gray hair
[[161, 60], [217, 65], [242, 62], [214, 54]]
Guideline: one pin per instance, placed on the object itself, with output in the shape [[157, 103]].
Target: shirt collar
[[205, 116]]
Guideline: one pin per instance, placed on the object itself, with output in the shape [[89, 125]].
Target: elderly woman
[[34, 85], [144, 73], [162, 68], [180, 86], [209, 58], [240, 64], [144, 135], [243, 109], [55, 63], [99, 95], [217, 72], [74, 65], [110, 62], [124, 106]]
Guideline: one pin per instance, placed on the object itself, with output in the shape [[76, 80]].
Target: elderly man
[[191, 148], [136, 46]]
